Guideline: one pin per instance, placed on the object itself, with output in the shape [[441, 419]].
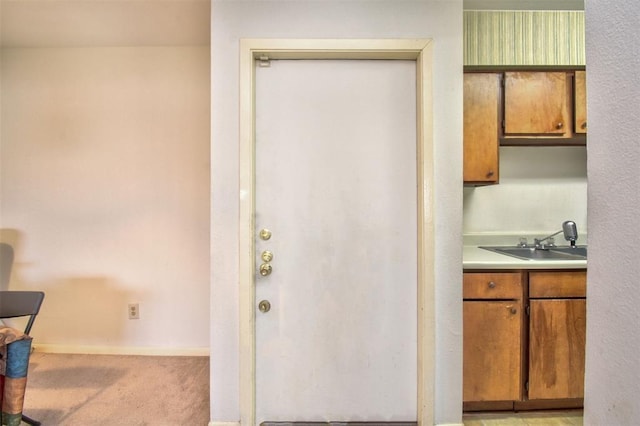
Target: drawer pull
[[492, 284]]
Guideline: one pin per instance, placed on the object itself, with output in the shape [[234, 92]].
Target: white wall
[[104, 182], [540, 187], [437, 19], [613, 293]]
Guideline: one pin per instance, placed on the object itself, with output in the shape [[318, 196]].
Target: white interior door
[[336, 187]]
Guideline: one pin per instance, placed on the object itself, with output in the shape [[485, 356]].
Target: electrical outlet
[[134, 311]]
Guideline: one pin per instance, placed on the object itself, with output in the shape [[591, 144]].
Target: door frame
[[418, 50]]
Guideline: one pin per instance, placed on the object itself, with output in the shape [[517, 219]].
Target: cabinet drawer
[[557, 284], [492, 285]]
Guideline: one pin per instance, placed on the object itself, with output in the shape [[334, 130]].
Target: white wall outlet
[[134, 311]]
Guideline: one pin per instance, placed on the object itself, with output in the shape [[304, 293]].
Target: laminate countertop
[[474, 257]]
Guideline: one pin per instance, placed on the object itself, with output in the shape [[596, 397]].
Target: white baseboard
[[116, 350]]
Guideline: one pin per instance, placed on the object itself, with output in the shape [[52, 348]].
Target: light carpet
[[66, 389]]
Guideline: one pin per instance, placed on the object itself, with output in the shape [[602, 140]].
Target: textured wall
[[613, 297], [104, 182]]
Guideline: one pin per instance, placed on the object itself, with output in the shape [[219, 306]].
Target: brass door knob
[[265, 269]]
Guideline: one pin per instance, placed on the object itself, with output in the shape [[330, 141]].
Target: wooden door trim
[[418, 50]]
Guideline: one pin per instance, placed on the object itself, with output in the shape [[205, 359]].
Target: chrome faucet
[[570, 234]]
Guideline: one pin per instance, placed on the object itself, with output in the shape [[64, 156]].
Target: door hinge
[[526, 386], [528, 310], [264, 61]]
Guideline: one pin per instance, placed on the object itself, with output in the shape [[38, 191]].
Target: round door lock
[[265, 269], [267, 256], [265, 234], [264, 306]]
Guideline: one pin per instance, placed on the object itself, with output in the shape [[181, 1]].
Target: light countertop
[[473, 257]]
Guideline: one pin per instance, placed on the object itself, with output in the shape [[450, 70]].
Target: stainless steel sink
[[532, 253], [575, 251]]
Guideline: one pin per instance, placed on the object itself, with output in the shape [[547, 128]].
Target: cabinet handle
[[513, 310], [490, 173], [584, 125], [559, 126], [492, 284]]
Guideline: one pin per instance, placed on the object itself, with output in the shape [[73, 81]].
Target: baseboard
[[117, 350]]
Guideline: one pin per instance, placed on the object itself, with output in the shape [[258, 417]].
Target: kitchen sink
[[532, 253], [575, 251]]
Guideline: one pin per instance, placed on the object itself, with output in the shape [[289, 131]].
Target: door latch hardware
[[265, 269], [267, 256], [264, 306], [265, 234]]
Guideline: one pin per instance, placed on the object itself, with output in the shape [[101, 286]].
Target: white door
[[336, 187]]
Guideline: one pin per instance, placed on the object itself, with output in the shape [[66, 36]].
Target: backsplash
[[540, 187]]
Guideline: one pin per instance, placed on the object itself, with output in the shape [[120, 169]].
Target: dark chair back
[[21, 304], [6, 263]]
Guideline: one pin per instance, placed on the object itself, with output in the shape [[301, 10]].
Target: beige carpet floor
[[107, 390]]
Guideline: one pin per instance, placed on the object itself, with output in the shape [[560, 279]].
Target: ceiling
[[47, 23]]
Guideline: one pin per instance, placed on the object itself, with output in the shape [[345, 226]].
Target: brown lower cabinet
[[524, 337], [557, 328]]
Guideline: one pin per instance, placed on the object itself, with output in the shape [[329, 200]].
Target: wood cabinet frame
[[571, 287], [574, 138]]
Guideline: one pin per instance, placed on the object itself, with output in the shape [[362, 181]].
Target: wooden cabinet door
[[556, 348], [492, 350], [481, 106], [580, 100], [536, 103]]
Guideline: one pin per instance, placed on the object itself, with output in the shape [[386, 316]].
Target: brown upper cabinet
[[481, 118], [537, 103], [580, 100], [519, 108]]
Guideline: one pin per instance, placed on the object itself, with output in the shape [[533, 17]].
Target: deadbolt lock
[[267, 256], [264, 306], [265, 234], [265, 269]]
